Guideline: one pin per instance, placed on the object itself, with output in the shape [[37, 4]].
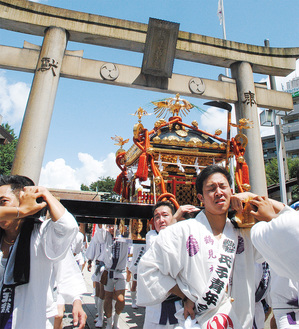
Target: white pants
[[286, 320], [151, 325]]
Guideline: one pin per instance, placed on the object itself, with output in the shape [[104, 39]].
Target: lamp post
[[227, 107]]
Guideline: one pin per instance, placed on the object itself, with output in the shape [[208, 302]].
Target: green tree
[[272, 176], [293, 165], [84, 187], [271, 169], [103, 184], [7, 152]]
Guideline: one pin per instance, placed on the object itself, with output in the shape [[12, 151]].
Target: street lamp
[[267, 118], [227, 107]]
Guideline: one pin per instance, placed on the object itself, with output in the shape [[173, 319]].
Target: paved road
[[130, 318]]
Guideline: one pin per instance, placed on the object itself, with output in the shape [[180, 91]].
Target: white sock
[[113, 307], [109, 323], [96, 300], [100, 308], [133, 297], [115, 321]]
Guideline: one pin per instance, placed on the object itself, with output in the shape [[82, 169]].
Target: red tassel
[[125, 192], [118, 184], [142, 170], [245, 173], [93, 229]]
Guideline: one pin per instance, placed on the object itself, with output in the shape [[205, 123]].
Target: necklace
[[9, 243]]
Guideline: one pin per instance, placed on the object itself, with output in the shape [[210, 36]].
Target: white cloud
[[217, 119], [213, 119], [13, 99], [57, 174], [92, 169]]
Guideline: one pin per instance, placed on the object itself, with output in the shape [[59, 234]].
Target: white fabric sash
[[222, 317], [213, 308], [222, 269]]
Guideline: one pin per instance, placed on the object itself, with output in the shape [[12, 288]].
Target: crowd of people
[[196, 269]]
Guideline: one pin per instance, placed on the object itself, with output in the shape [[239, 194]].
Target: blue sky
[[86, 115]]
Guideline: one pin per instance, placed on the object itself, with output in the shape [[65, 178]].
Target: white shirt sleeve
[[56, 237], [69, 279], [157, 270], [278, 242]]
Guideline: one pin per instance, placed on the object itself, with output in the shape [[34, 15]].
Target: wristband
[[18, 212], [78, 297]]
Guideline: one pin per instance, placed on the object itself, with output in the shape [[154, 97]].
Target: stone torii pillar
[[38, 114], [246, 107]]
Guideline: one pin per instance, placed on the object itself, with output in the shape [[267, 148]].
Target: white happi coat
[[49, 243], [118, 269], [138, 251], [187, 254], [284, 300], [278, 242], [150, 238], [77, 248], [153, 312], [68, 280], [95, 250], [262, 285]]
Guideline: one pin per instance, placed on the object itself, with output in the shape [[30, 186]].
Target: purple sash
[[6, 306]]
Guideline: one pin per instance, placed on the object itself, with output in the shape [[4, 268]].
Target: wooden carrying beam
[[103, 212]]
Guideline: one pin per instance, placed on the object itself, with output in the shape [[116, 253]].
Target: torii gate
[[161, 42]]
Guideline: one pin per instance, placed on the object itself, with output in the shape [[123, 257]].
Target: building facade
[[290, 128]]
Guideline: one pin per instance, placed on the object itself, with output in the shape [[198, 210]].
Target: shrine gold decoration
[[137, 130], [242, 139]]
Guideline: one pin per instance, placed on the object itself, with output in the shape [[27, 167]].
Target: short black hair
[[16, 182], [164, 203], [207, 172]]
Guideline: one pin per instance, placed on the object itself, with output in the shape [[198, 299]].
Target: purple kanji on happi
[[240, 247], [192, 246]]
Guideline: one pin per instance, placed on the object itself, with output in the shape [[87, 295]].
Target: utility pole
[[222, 22], [283, 170]]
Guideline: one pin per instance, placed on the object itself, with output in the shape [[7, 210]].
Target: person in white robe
[[96, 252], [77, 248], [137, 252], [275, 236], [69, 286], [204, 260], [262, 286], [28, 251], [161, 315], [284, 301], [114, 276]]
